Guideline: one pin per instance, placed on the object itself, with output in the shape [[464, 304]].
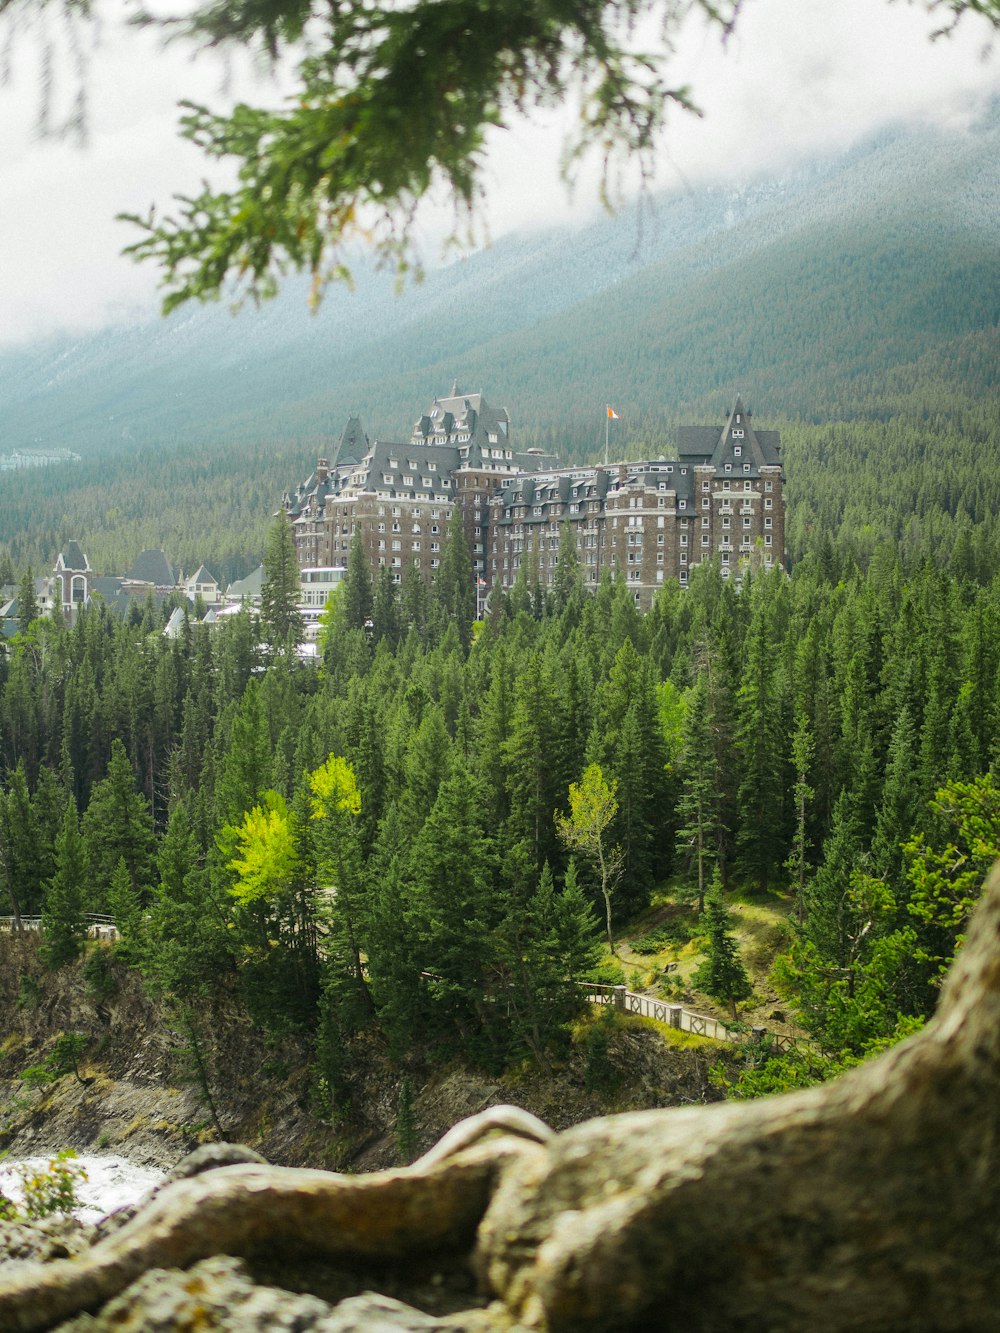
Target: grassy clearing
[[660, 950]]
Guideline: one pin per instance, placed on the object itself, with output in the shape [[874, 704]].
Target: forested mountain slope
[[862, 287]]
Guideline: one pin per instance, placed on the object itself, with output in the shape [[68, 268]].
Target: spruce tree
[[358, 600], [722, 974], [453, 589], [27, 603], [118, 823], [697, 807], [64, 926], [280, 618]]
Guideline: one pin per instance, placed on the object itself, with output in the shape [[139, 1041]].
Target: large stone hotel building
[[651, 521]]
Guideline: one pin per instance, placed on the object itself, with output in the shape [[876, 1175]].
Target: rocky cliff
[[139, 1094]]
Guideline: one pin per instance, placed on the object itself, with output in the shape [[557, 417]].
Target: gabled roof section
[[71, 557], [152, 567], [738, 450], [462, 418], [406, 471], [251, 586], [353, 445], [202, 575]]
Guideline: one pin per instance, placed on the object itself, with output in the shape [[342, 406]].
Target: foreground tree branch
[[393, 102]]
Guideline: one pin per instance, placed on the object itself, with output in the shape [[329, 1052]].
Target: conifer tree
[[27, 603], [797, 863], [567, 582], [245, 772], [759, 745], [545, 944], [454, 903], [358, 599], [385, 609], [280, 618], [697, 808], [64, 926], [118, 823], [722, 974], [899, 812], [453, 590]]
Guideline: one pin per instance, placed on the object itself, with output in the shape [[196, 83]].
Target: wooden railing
[[100, 926], [677, 1016]]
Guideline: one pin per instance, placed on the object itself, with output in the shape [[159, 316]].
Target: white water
[[111, 1182]]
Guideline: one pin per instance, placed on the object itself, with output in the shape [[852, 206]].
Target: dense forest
[[383, 844], [425, 840]]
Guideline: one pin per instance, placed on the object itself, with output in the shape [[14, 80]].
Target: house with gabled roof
[[203, 584]]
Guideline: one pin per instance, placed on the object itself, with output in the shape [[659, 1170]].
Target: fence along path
[[100, 926], [676, 1016]]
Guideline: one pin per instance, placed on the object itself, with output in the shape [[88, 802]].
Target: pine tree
[[118, 823], [454, 904], [697, 807], [453, 590], [27, 603], [280, 618], [797, 863], [567, 582], [64, 927], [759, 747], [358, 600], [545, 944], [722, 974], [899, 812]]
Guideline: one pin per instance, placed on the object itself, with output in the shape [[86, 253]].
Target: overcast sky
[[799, 76]]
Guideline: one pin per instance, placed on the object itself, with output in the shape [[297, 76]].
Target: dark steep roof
[[152, 567], [72, 557], [353, 444], [707, 444]]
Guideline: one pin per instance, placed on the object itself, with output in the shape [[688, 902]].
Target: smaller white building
[[316, 583]]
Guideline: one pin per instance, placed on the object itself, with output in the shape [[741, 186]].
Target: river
[[111, 1182]]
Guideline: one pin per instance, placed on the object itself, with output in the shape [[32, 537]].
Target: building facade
[[402, 497], [721, 498]]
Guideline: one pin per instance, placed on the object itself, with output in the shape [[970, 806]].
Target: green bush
[[53, 1189], [29, 993], [607, 974], [98, 973], [668, 935]]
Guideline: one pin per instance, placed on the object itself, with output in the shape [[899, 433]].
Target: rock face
[[872, 1203]]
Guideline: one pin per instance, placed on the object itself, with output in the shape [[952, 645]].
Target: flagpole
[[607, 429]]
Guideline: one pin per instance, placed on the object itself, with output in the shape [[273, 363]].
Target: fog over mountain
[[786, 286]]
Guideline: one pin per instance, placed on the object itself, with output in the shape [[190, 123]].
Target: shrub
[[52, 1189]]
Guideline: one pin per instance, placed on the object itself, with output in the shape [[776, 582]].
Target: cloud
[[799, 76]]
